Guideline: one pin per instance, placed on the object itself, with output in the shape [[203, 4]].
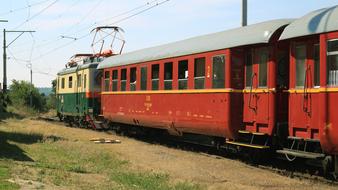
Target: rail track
[[298, 170]]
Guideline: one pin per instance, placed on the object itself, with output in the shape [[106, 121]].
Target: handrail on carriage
[[250, 93]]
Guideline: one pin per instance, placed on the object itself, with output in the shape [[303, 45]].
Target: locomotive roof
[[316, 22], [77, 68], [252, 34]]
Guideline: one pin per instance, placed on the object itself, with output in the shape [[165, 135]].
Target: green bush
[[20, 92]]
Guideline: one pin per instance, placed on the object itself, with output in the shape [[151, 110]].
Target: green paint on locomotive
[[77, 104]]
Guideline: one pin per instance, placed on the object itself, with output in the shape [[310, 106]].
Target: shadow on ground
[[7, 115], [9, 150]]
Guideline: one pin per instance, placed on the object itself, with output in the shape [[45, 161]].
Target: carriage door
[[303, 100], [256, 93]]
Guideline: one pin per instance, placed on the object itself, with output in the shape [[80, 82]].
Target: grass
[[4, 176], [73, 164]]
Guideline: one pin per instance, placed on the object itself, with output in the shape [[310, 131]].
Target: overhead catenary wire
[[53, 41], [23, 8], [86, 35], [35, 15]]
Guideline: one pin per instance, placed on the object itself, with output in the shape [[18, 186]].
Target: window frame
[[259, 63], [115, 80], [186, 78], [304, 64], [70, 82], [213, 79], [196, 78], [157, 80], [132, 84], [123, 80]]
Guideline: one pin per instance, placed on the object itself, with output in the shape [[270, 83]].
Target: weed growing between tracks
[[50, 161]]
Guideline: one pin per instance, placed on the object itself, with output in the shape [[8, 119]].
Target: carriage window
[[168, 75], [155, 70], [123, 79], [183, 74], [133, 79], [85, 81], [317, 65], [199, 73], [106, 80], [263, 68], [63, 83], [79, 81], [218, 71], [144, 78], [114, 80], [70, 82], [300, 55], [332, 64], [248, 70]]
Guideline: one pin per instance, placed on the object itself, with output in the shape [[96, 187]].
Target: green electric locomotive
[[78, 90]]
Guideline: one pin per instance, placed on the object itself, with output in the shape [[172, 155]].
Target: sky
[[170, 21]]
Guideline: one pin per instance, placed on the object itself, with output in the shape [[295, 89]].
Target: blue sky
[[171, 21]]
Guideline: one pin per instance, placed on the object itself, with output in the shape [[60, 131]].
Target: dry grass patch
[[62, 160]]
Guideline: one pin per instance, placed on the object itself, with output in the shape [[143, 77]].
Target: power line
[[52, 41], [140, 12], [23, 8], [37, 14], [81, 37]]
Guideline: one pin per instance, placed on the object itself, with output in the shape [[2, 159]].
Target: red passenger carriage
[[313, 93], [188, 87]]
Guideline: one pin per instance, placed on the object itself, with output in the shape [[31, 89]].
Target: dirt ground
[[211, 172]]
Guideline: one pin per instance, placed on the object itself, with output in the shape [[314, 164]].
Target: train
[[266, 87]]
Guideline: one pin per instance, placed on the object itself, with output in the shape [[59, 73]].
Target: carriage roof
[[316, 22], [248, 35]]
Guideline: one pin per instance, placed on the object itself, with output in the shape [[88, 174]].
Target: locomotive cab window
[[114, 80], [155, 71], [332, 62], [248, 70], [168, 75], [85, 81], [123, 79], [79, 80], [218, 71], [133, 79], [183, 74], [300, 56], [106, 80], [199, 73], [263, 68], [62, 83], [144, 78], [70, 82]]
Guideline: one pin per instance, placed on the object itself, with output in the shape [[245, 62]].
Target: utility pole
[[5, 46], [244, 12], [31, 92], [4, 36]]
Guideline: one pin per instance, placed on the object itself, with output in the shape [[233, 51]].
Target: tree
[[51, 99], [20, 92]]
